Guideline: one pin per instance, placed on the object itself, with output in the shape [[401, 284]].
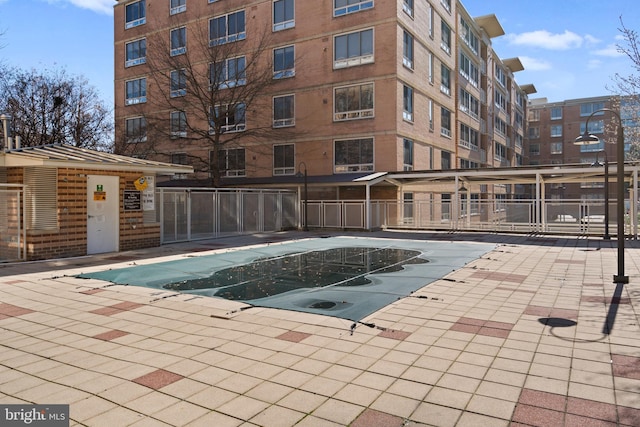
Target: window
[[469, 104], [430, 113], [284, 62], [230, 118], [178, 41], [284, 159], [228, 73], [595, 126], [556, 113], [501, 77], [588, 109], [283, 15], [231, 162], [343, 7], [445, 160], [135, 130], [468, 164], [179, 158], [534, 132], [353, 49], [468, 137], [519, 138], [556, 130], [178, 83], [407, 50], [501, 152], [556, 148], [469, 70], [283, 111], [445, 79], [521, 99], [407, 103], [178, 124], [446, 4], [227, 28], [430, 65], [407, 6], [534, 115], [445, 41], [407, 154], [430, 19], [534, 149], [445, 125], [591, 148], [500, 100], [519, 119], [470, 39], [500, 126], [177, 6], [136, 91], [354, 155], [136, 53], [353, 102], [135, 14]]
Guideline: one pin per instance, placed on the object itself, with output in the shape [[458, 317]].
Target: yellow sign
[[99, 196], [140, 183]]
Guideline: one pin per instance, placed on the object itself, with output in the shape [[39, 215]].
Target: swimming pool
[[346, 277]]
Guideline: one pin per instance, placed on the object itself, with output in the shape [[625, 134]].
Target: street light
[[306, 194], [587, 139]]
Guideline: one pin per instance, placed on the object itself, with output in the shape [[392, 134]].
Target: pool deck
[[532, 333]]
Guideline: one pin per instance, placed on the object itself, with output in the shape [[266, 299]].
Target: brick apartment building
[[360, 86], [552, 130]]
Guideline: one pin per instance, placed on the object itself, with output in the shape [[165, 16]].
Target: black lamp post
[[587, 139], [306, 194]]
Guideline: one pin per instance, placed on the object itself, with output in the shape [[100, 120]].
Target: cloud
[[594, 64], [546, 40], [533, 64], [100, 6], [610, 51]]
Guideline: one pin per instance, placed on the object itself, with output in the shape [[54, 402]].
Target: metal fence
[[190, 214], [524, 216], [12, 231]]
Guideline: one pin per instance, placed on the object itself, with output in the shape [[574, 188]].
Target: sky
[[568, 47]]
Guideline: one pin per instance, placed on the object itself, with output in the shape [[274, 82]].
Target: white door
[[103, 207]]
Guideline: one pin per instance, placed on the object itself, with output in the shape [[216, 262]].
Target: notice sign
[[132, 200], [148, 194], [34, 415], [99, 196]]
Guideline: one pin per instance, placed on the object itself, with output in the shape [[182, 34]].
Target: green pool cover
[[344, 277]]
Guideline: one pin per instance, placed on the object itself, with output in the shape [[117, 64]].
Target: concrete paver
[[532, 333]]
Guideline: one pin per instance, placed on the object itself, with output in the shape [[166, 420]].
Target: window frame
[[178, 124], [228, 36], [141, 14], [237, 160], [178, 83], [351, 6], [178, 48], [181, 6], [353, 60], [340, 114], [364, 154], [280, 122], [407, 49], [138, 60], [407, 154], [281, 73], [285, 23], [239, 123], [141, 92], [288, 165], [138, 123], [221, 69], [407, 103]]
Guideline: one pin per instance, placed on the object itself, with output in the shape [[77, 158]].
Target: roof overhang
[[68, 156], [490, 25], [528, 88], [513, 64]]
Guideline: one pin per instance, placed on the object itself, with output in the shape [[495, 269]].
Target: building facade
[[552, 130], [356, 87]]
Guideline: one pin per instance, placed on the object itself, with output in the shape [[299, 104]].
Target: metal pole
[[306, 201], [606, 198], [620, 277]]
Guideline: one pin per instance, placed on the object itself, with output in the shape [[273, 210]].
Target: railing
[[521, 216], [191, 214]]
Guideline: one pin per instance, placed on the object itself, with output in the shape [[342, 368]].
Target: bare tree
[[49, 106], [628, 87], [208, 98]]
